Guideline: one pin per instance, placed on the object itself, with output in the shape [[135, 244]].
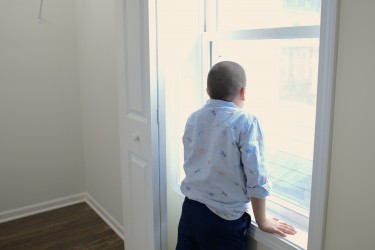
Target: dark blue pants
[[201, 229]]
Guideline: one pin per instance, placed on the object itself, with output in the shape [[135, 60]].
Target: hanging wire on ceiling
[[40, 10]]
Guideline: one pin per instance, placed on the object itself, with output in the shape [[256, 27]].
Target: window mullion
[[269, 33]]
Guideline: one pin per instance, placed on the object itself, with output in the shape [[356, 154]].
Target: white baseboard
[[41, 207], [64, 202], [111, 222]]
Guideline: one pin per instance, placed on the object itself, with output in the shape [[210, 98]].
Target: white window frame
[[323, 124]]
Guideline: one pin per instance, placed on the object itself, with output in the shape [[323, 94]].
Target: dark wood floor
[[73, 227]]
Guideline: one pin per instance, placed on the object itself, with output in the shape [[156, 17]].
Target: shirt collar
[[219, 103]]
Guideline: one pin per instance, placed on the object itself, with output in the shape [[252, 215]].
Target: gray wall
[[40, 111], [58, 103], [98, 65], [351, 202]]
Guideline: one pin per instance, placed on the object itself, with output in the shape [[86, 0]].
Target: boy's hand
[[274, 225], [266, 224]]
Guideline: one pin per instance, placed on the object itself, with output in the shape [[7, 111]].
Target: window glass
[[281, 92], [256, 14]]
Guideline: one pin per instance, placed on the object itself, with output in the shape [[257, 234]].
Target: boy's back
[[224, 163]]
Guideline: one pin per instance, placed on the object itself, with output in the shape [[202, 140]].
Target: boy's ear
[[207, 92], [242, 93]]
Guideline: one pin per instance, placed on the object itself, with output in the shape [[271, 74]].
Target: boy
[[224, 166]]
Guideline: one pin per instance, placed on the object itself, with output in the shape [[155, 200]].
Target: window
[[279, 50], [278, 43]]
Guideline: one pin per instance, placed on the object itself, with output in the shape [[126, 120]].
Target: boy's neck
[[239, 102]]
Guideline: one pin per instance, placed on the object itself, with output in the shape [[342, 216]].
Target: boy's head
[[225, 81]]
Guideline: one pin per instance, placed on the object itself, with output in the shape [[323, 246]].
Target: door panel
[[138, 126]]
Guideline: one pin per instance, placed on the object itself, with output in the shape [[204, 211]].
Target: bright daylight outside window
[[277, 42]]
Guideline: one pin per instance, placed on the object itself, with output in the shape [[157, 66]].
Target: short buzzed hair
[[225, 80]]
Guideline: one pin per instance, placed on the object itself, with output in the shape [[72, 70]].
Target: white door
[[138, 125]]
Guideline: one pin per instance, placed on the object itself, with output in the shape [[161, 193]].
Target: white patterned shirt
[[223, 159]]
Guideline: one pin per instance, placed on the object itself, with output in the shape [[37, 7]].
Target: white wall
[[98, 79], [40, 119], [351, 203]]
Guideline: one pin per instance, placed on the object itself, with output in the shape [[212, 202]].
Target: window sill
[[291, 242]]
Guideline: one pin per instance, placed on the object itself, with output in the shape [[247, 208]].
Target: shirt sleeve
[[252, 158]]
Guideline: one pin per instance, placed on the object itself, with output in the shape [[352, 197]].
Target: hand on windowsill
[[274, 225]]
